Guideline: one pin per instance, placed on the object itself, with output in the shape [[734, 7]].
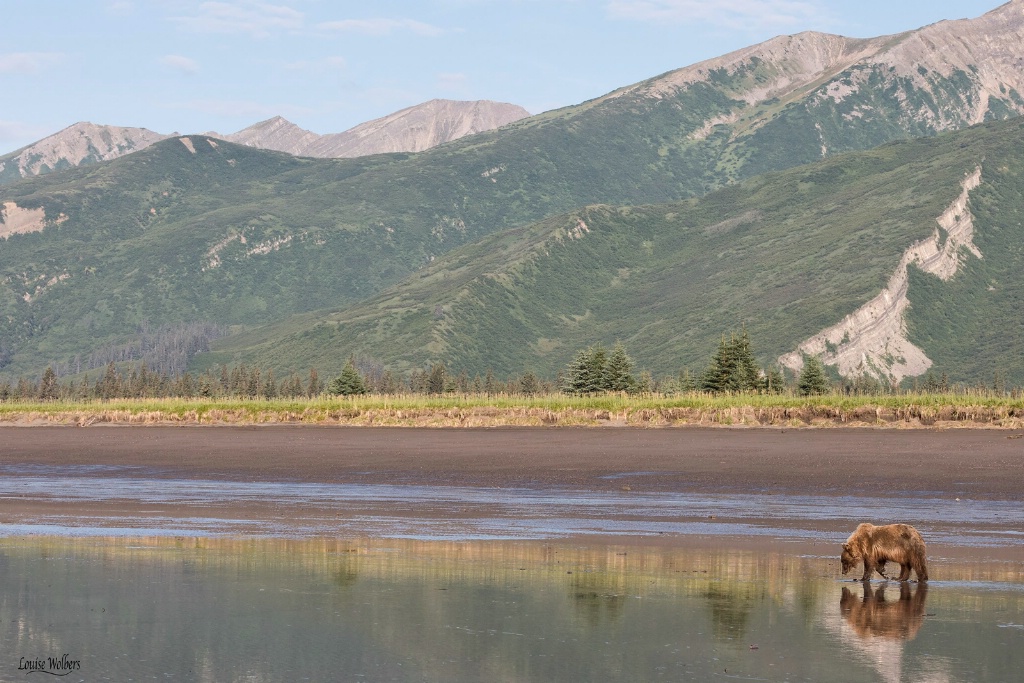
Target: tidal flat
[[318, 553]]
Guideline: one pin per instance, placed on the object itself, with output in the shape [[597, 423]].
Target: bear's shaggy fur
[[875, 545]]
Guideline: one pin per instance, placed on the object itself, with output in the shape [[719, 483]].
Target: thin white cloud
[[338, 63], [258, 19], [326, 64], [245, 109], [20, 133], [381, 26], [734, 14], [184, 65], [121, 8], [452, 82], [28, 62]]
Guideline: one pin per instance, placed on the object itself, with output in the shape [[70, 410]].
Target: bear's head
[[847, 559]]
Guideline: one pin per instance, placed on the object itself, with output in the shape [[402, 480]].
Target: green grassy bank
[[912, 410]]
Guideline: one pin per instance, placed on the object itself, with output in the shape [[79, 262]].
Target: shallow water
[[202, 609], [84, 501]]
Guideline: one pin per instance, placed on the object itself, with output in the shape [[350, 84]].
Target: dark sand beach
[[982, 464]]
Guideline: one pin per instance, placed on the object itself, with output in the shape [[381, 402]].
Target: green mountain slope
[[192, 231], [785, 254]]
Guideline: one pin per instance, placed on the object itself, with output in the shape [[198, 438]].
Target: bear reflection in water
[[875, 616]]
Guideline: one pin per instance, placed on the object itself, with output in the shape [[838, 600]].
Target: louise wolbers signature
[[55, 666]]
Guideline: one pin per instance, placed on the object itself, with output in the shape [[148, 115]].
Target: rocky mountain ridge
[[412, 129], [937, 78], [78, 144]]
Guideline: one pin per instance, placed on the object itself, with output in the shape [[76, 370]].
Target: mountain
[[413, 129], [277, 133], [410, 130], [82, 143], [194, 231], [889, 262]]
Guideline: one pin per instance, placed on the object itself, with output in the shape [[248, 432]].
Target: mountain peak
[[412, 129], [277, 133], [79, 143], [421, 127]]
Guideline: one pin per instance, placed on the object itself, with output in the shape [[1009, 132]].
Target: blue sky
[[197, 65]]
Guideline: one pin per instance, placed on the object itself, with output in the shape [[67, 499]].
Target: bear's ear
[[846, 546]]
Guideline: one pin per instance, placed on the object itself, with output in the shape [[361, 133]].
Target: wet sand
[[980, 464], [661, 486]]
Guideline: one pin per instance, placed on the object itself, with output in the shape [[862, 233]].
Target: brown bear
[[875, 545]]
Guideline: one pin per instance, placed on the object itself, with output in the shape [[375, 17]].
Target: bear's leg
[[904, 572], [880, 568], [869, 568], [920, 569]]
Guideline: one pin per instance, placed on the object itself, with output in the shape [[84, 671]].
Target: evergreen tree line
[[242, 381], [595, 370], [732, 369], [437, 379], [142, 382]]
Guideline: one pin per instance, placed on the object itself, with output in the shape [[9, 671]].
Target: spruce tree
[[388, 383], [187, 386], [314, 387], [110, 384], [145, 381], [529, 385], [748, 374], [813, 381], [84, 388], [645, 384], [585, 374], [597, 363], [720, 375], [269, 386], [687, 382], [997, 383], [774, 381], [25, 389], [574, 371], [252, 383], [49, 388], [618, 371], [437, 379], [349, 382]]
